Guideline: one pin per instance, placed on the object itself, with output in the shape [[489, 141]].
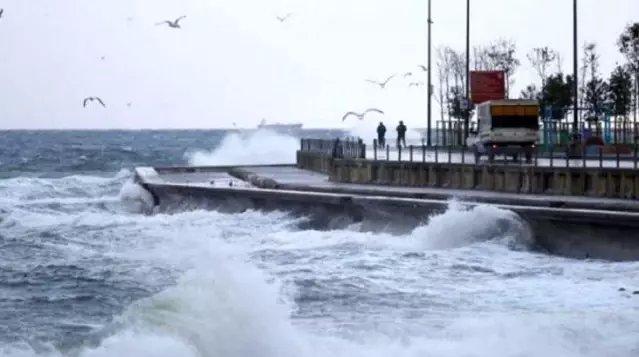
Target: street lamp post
[[467, 111], [429, 113], [575, 70]]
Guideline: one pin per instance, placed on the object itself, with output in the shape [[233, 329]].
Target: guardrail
[[576, 156], [541, 147], [346, 148]]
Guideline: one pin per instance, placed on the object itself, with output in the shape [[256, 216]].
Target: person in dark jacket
[[401, 134], [381, 135], [338, 149]]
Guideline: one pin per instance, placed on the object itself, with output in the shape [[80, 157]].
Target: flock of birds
[[173, 24], [382, 85], [176, 25]]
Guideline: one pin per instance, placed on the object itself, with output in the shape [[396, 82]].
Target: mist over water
[[255, 147]]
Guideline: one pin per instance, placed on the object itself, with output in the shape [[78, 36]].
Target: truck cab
[[506, 127]]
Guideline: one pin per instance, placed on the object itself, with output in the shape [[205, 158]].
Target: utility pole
[[429, 85], [575, 71], [467, 99]]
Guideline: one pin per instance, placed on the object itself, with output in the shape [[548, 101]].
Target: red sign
[[487, 85]]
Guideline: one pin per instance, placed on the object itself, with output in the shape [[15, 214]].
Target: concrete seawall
[[610, 182], [601, 233]]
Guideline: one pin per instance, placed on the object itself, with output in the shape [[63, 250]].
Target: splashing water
[[208, 284], [260, 147], [460, 226], [223, 307]]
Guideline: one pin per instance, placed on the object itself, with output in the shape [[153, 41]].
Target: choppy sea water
[[83, 273]]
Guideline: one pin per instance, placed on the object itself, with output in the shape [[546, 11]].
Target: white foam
[[133, 192], [222, 305], [460, 226], [259, 147]]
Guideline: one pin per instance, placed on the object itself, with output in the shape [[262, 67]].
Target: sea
[[85, 273]]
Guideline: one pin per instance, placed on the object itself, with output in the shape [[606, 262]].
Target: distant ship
[[279, 127]]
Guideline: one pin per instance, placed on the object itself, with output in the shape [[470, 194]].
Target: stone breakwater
[[586, 232]]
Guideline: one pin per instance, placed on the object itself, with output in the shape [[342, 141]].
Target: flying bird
[[174, 24], [362, 115], [415, 84], [423, 68], [90, 99], [1, 12], [381, 84], [408, 74], [283, 18]]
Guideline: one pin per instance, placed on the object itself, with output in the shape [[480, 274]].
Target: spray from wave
[[214, 310], [223, 306], [259, 147], [461, 225]]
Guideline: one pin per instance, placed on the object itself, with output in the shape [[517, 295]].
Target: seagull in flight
[[423, 68], [1, 12], [283, 18], [90, 99], [361, 116], [174, 24], [408, 74], [381, 84]]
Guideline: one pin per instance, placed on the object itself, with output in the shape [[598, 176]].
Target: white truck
[[505, 127]]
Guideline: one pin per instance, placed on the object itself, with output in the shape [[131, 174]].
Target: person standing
[[401, 134], [381, 135]]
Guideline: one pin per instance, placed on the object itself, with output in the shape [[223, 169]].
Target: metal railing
[[347, 148], [551, 133], [573, 156]]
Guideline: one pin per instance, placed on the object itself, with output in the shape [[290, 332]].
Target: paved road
[[311, 180], [459, 157]]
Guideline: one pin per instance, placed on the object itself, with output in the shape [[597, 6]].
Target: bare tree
[[443, 77], [530, 92], [480, 59], [595, 88], [540, 59], [584, 70], [501, 55], [628, 43], [458, 68], [559, 62]]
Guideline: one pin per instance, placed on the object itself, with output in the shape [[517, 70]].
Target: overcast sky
[[234, 62]]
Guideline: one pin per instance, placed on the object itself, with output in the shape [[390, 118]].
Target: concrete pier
[[583, 177], [569, 225]]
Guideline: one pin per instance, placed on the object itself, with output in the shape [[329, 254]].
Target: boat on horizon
[[280, 127]]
